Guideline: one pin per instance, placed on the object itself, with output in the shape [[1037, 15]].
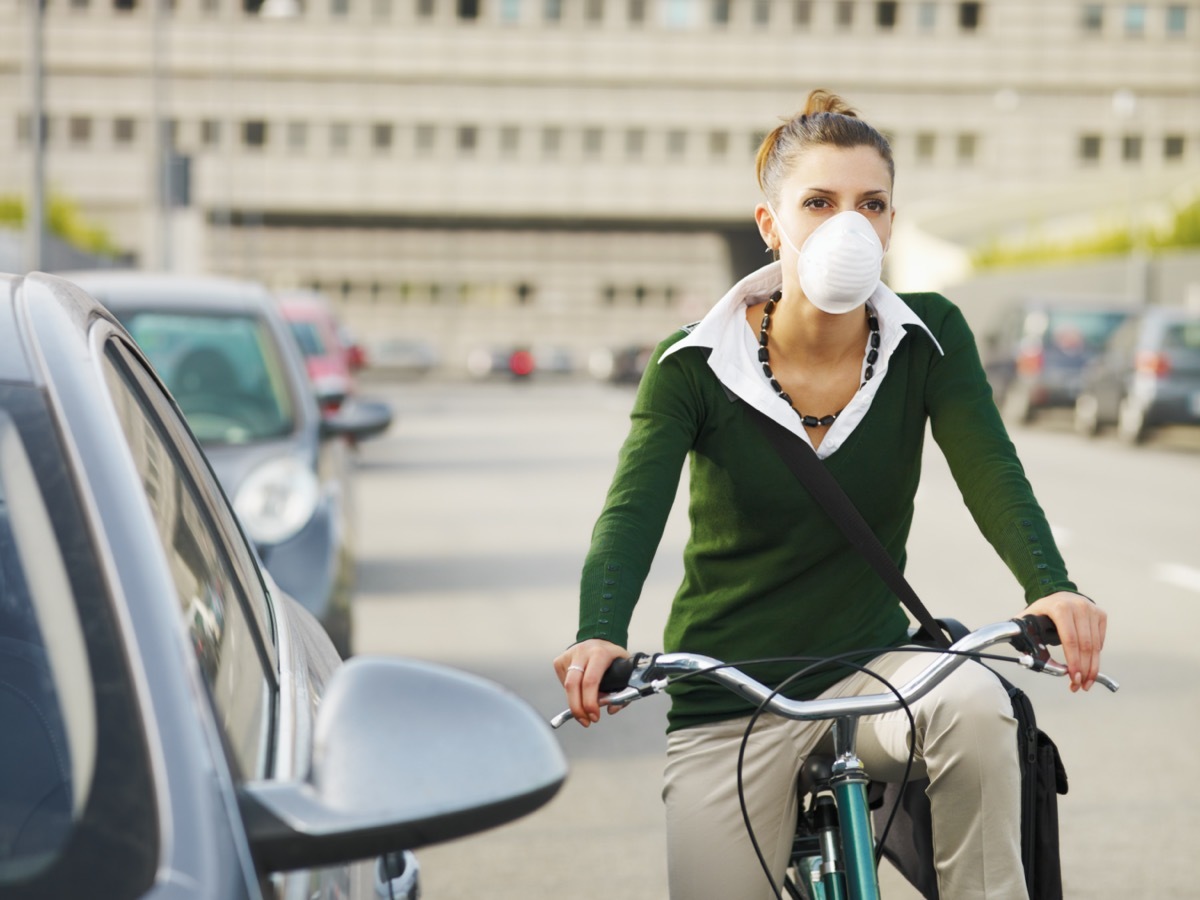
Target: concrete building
[[580, 172]]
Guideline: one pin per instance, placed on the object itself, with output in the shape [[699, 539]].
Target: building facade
[[579, 171]]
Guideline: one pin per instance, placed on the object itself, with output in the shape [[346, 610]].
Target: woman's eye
[[816, 203], [876, 205]]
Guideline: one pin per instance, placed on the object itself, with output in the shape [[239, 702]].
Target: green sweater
[[766, 573]]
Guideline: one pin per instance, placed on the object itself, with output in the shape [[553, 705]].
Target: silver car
[[172, 725]]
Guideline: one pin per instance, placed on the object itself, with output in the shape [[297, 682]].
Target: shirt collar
[[732, 357]]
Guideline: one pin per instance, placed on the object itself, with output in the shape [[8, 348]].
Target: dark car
[[172, 724], [1035, 357], [225, 352], [1148, 376]]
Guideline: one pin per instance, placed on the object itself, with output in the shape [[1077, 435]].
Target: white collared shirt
[[734, 353]]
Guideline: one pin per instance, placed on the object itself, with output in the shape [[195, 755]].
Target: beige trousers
[[966, 745]]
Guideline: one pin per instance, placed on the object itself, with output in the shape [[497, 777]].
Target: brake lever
[[619, 698]]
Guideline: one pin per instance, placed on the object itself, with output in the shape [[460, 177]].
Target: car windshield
[[225, 372], [1082, 331], [308, 336]]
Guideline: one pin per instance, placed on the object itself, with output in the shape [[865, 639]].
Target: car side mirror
[[357, 419], [405, 754]]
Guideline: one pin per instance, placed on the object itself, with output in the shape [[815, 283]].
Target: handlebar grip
[[616, 678], [1044, 627]]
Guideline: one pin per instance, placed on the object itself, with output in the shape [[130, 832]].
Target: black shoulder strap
[[803, 462]]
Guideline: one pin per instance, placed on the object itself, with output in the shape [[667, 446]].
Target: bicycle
[[834, 854]]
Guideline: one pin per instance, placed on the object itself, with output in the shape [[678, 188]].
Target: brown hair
[[825, 119]]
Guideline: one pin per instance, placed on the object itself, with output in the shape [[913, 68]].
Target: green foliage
[[64, 220], [1183, 231]]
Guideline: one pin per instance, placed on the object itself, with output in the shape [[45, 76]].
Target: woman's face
[[826, 180]]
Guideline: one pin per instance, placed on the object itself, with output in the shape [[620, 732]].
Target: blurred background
[[568, 175]]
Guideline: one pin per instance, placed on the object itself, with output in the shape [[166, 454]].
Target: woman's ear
[[766, 226]]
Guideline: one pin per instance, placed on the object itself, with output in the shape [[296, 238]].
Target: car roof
[[124, 289], [304, 304], [14, 365]]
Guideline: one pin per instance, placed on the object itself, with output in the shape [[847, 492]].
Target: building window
[[593, 11], [1092, 18], [1131, 148], [926, 16], [926, 145], [756, 141], [254, 133], [210, 132], [125, 5], [1135, 20], [79, 130], [552, 11], [551, 142], [339, 137], [593, 142], [965, 147], [676, 143], [762, 13], [720, 12], [969, 15], [79, 4], [885, 14], [468, 9], [297, 136], [635, 142], [802, 13], [381, 10], [718, 144], [637, 11], [679, 13], [844, 15], [124, 130], [1089, 148], [381, 136], [425, 9], [425, 139], [210, 7], [339, 9], [1176, 20], [1173, 147], [467, 140], [510, 140], [510, 11]]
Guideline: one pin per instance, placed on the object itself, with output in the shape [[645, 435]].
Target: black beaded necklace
[[764, 357]]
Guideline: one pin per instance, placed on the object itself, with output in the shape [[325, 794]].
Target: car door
[[264, 661]]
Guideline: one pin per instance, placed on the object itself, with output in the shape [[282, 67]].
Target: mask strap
[[779, 228]]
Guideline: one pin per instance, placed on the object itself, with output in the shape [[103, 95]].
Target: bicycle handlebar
[[640, 675]]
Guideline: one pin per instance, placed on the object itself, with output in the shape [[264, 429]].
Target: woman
[[818, 343]]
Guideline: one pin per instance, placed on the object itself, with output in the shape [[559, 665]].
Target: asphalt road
[[473, 516]]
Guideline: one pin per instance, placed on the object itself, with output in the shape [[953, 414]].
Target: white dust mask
[[840, 263]]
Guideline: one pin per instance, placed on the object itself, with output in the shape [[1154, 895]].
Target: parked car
[[1148, 376], [1035, 356], [330, 361], [225, 352], [173, 724], [409, 357]]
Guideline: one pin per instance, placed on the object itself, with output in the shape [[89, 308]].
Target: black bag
[[909, 844]]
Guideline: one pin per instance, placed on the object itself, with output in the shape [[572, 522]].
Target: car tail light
[[1029, 362], [1150, 363], [521, 363]]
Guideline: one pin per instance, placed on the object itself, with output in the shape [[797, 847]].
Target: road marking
[[1180, 576]]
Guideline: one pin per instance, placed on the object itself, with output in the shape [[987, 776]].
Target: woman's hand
[[1081, 626], [580, 668]]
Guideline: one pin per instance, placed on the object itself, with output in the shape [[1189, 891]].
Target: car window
[[308, 336], [225, 372], [213, 598], [1182, 340], [77, 809], [1081, 331]]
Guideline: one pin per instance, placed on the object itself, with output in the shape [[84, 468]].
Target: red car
[[331, 360]]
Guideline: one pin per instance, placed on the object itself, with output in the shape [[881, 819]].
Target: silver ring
[[574, 668]]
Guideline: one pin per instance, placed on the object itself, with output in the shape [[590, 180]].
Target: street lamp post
[[35, 213]]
